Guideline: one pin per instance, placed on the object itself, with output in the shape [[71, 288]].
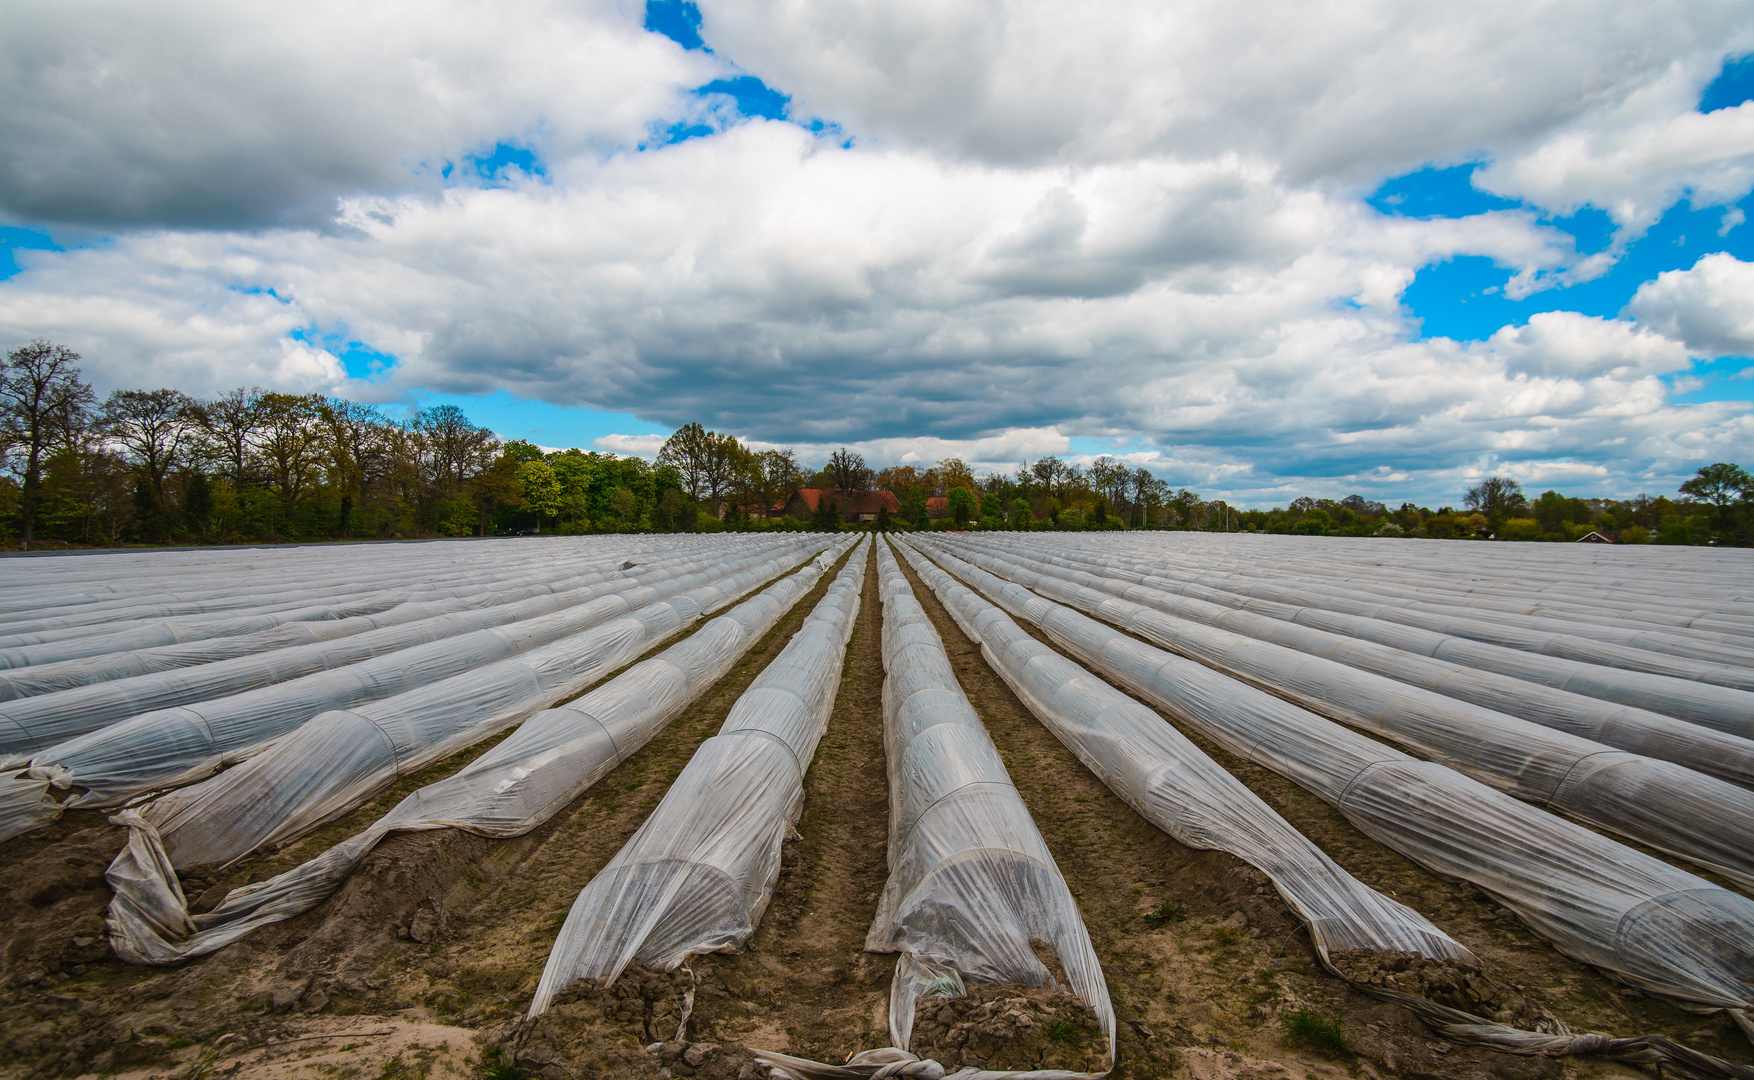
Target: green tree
[[961, 506], [1720, 485], [537, 485], [827, 515], [883, 522]]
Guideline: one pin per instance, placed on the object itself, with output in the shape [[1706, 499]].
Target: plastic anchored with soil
[[698, 875], [1648, 923], [1659, 803], [340, 759], [552, 758]]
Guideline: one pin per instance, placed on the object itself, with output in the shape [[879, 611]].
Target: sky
[[1261, 250]]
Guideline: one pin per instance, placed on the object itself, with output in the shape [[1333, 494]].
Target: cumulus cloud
[[1139, 224], [209, 114], [1710, 306], [1343, 91]]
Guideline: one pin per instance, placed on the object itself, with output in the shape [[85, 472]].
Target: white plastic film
[[971, 882], [548, 762], [698, 875], [1656, 802], [1599, 901]]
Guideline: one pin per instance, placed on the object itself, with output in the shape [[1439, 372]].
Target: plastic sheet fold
[[550, 760], [1671, 808], [699, 873], [1646, 922], [971, 882]]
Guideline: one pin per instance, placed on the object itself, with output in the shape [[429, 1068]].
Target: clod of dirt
[[1009, 1027], [1443, 981], [593, 1030]]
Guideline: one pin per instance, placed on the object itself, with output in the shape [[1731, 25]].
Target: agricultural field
[[839, 804]]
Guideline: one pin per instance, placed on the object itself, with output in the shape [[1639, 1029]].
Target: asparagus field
[[812, 805]]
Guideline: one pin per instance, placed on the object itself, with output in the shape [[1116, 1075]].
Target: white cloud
[[1710, 306], [203, 113], [1132, 222]]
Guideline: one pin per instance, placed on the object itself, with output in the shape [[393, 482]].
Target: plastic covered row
[[341, 759], [1671, 808], [168, 747], [1640, 731], [120, 651], [698, 874], [971, 882], [224, 585], [1720, 707], [30, 724], [1648, 923], [539, 769], [1174, 785]]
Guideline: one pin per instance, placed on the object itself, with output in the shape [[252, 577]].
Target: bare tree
[[230, 423], [454, 446], [291, 442], [849, 471], [1498, 497], [41, 394], [687, 451], [154, 426]]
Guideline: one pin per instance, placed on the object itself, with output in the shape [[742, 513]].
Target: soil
[[422, 964], [1010, 1026]]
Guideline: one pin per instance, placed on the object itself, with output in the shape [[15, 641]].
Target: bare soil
[[422, 964]]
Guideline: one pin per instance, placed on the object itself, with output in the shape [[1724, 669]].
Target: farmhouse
[[858, 505]]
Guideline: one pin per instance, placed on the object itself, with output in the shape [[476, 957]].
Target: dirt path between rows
[[1215, 988], [436, 936]]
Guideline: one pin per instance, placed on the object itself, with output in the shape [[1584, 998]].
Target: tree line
[[161, 466]]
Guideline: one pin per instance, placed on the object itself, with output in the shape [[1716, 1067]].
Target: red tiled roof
[[857, 502]]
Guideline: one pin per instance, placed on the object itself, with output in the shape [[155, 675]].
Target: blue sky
[[1291, 268]]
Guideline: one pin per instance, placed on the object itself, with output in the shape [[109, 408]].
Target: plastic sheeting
[[1174, 785], [30, 724], [58, 665], [971, 881], [340, 759], [1325, 633], [1650, 924], [542, 767], [698, 875], [181, 745], [1676, 810]]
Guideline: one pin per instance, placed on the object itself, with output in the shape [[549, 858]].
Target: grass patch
[[496, 1066], [1068, 1030], [1317, 1031], [1166, 912]]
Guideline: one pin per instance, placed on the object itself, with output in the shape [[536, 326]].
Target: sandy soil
[[422, 963]]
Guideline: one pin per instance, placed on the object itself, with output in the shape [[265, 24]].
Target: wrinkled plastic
[[166, 748], [550, 760], [33, 723], [1174, 785], [1599, 901], [337, 761], [1579, 698], [698, 875], [971, 882], [1671, 808]]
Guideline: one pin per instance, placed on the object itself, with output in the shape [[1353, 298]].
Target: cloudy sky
[[1261, 249]]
